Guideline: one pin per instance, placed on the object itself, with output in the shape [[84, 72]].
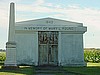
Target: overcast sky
[[82, 11]]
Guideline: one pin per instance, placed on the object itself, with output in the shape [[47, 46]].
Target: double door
[[48, 47]]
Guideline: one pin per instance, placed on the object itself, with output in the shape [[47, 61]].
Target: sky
[[82, 11]]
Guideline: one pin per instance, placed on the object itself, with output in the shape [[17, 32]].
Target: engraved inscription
[[49, 28], [49, 22]]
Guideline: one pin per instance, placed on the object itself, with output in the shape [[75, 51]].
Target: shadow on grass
[[27, 70], [92, 70]]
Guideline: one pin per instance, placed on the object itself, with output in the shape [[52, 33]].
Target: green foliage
[[92, 56], [2, 56]]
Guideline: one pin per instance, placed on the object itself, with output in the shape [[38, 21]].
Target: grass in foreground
[[23, 70], [93, 64], [91, 69]]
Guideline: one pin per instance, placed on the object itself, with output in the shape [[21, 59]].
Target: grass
[[85, 70], [93, 64], [23, 70], [91, 69]]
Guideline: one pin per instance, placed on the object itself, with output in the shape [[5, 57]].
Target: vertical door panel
[[48, 47]]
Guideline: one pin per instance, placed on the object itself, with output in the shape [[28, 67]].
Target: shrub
[[2, 56], [92, 55]]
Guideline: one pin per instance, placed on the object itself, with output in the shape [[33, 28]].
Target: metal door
[[48, 47]]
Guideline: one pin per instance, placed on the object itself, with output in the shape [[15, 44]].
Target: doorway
[[48, 47]]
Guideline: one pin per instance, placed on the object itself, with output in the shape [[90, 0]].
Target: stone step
[[48, 68], [52, 71], [48, 71]]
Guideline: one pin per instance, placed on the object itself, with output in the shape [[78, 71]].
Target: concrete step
[[48, 70]]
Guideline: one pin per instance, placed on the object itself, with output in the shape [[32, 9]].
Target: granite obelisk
[[11, 44]]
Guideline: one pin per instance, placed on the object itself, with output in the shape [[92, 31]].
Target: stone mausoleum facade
[[45, 41]]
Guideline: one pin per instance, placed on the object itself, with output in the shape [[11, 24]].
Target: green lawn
[[93, 64], [23, 70], [91, 69]]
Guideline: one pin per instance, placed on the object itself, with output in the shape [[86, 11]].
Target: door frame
[[48, 57]]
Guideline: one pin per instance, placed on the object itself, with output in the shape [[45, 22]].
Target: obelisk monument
[[11, 44]]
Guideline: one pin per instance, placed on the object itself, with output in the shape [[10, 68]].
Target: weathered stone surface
[[24, 42], [11, 44]]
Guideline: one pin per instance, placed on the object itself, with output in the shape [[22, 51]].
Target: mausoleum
[[45, 41]]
